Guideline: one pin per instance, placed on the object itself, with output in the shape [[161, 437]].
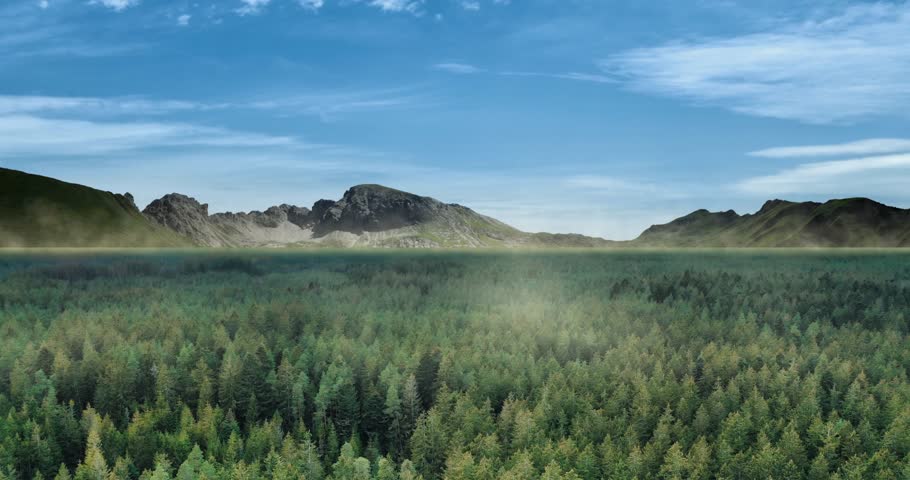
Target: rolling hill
[[850, 222], [38, 211]]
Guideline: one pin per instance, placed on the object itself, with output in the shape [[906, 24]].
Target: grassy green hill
[[38, 211], [851, 222]]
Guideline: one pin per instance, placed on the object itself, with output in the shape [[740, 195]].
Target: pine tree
[[396, 434], [94, 466], [429, 445], [386, 470], [63, 473], [410, 405], [675, 464]]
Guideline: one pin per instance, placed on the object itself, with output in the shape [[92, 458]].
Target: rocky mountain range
[[38, 211], [365, 216]]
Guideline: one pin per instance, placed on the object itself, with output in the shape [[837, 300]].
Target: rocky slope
[[851, 222], [279, 225], [38, 211]]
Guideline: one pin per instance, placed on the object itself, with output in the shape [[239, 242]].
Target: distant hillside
[[365, 216], [38, 211], [851, 222]]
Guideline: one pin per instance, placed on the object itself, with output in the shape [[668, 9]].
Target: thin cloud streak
[[468, 69], [841, 69], [22, 135], [576, 76], [325, 105], [870, 146], [27, 104], [833, 177], [457, 68]]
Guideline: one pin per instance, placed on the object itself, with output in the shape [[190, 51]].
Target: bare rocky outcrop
[[185, 215], [365, 216]]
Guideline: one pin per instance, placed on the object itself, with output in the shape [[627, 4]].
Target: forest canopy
[[485, 365]]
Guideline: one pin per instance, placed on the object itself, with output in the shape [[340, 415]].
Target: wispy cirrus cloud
[[870, 146], [29, 104], [311, 4], [29, 29], [576, 76], [116, 5], [886, 174], [836, 69], [466, 69], [412, 6], [23, 135], [330, 105], [252, 7], [458, 68], [327, 105]]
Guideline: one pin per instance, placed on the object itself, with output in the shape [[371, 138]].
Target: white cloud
[[326, 104], [577, 76], [470, 5], [871, 146], [330, 105], [412, 6], [117, 5], [459, 68], [25, 104], [184, 20], [43, 4], [842, 68], [883, 174], [311, 4], [252, 7], [36, 136]]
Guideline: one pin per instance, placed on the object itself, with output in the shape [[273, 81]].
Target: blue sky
[[597, 117]]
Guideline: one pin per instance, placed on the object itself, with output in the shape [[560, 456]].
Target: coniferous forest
[[488, 365]]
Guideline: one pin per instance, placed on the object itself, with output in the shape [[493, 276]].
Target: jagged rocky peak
[[300, 216], [366, 215], [373, 208], [173, 206], [772, 204], [127, 200], [272, 217]]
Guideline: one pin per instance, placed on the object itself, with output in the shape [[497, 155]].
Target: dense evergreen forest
[[438, 365]]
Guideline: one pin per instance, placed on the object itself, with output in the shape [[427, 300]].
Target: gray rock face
[[365, 216], [186, 216], [374, 208]]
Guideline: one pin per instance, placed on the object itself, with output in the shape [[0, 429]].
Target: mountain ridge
[[367, 215], [848, 222], [37, 211]]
